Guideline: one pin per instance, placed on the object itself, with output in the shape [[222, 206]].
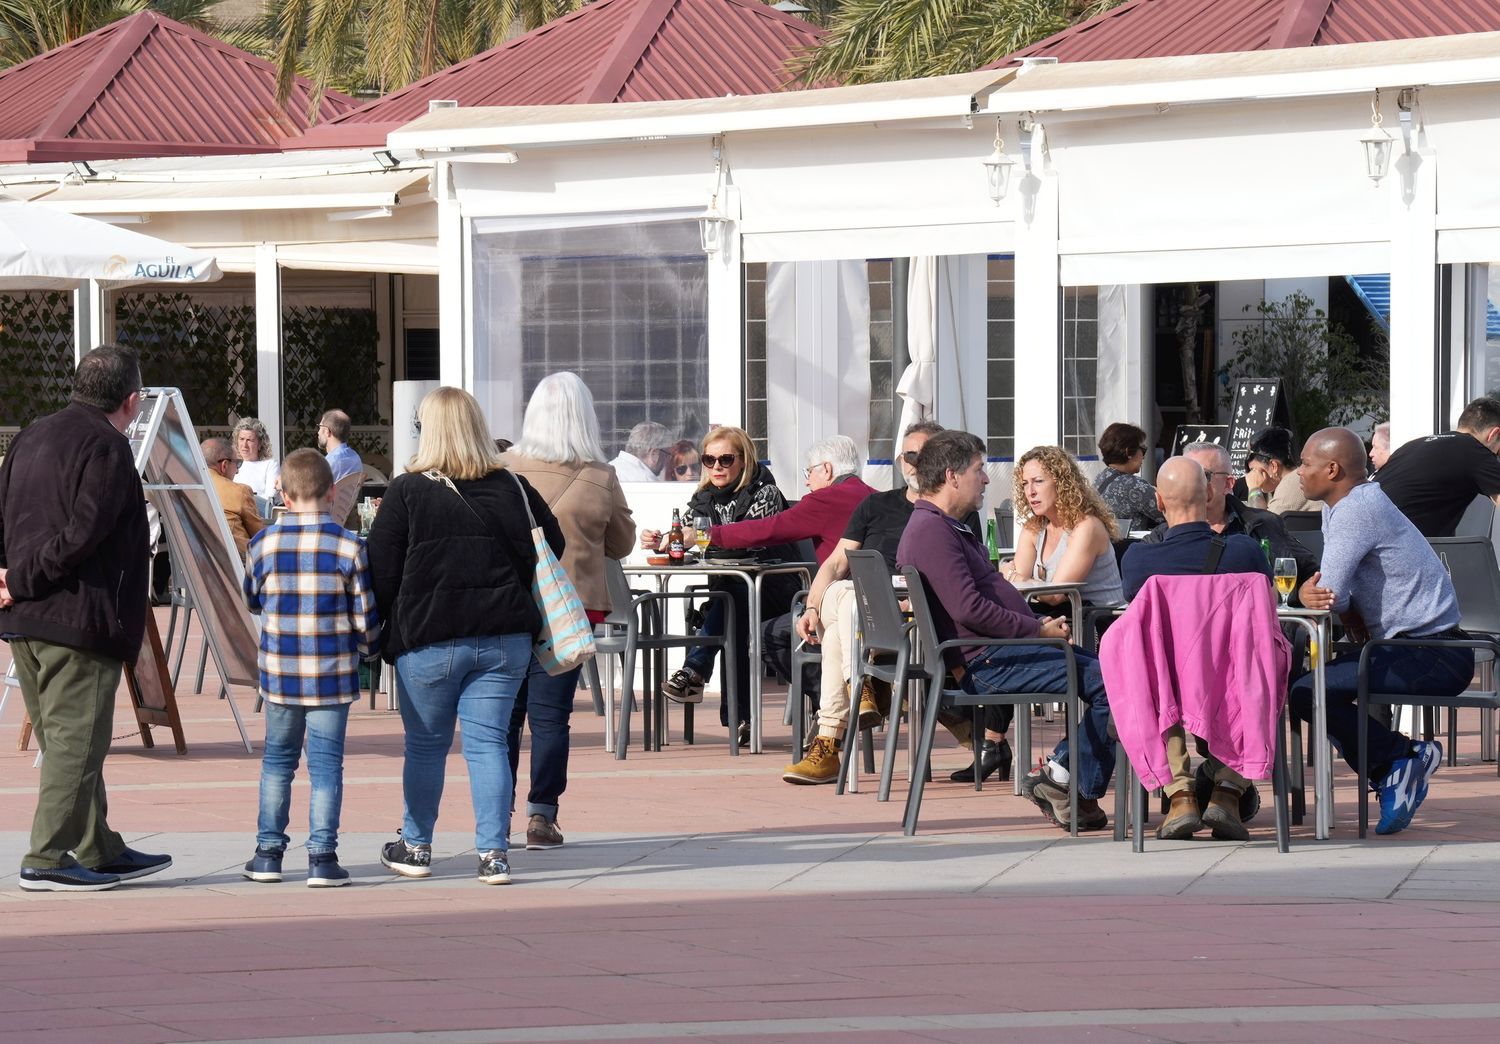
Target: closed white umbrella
[[46, 249]]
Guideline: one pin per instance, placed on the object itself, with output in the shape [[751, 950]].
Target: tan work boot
[[1183, 819], [819, 765], [1223, 815], [874, 702]]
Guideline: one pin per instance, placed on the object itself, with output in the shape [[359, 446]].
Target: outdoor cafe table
[[753, 576]]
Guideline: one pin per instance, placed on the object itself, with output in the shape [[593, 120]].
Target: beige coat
[[596, 522]]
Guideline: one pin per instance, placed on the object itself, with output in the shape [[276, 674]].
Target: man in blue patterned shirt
[[309, 579]]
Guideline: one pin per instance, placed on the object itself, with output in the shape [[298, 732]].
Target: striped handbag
[[566, 639]]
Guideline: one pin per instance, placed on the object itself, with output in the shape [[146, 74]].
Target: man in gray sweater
[[1384, 580]]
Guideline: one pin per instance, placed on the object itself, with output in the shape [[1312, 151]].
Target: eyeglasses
[[725, 460], [416, 426], [807, 471], [683, 469], [910, 456], [1211, 475]]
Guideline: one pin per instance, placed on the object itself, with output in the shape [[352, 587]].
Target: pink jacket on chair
[[1204, 650]]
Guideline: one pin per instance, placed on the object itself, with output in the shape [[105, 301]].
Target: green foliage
[[36, 354], [31, 27], [205, 348], [329, 361], [1325, 378], [871, 41]]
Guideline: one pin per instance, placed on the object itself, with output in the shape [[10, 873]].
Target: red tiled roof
[[609, 51], [147, 86], [1158, 28]]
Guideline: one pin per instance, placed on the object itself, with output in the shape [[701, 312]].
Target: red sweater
[[821, 517]]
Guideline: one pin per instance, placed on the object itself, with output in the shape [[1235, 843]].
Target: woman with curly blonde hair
[[1068, 533]]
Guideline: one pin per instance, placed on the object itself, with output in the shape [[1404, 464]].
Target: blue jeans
[[548, 701], [1414, 672], [471, 680], [701, 659], [1012, 669], [324, 729]]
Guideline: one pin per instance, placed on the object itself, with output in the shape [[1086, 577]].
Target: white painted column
[[268, 345], [454, 341], [1412, 188], [92, 323], [726, 357], [1038, 312]]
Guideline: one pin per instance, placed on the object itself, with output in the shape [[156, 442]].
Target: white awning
[[411, 257], [995, 237], [142, 194]]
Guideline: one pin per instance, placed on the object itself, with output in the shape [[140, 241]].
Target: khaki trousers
[[836, 628], [1182, 777], [70, 696]]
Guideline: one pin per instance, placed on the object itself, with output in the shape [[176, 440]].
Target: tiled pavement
[[698, 896]]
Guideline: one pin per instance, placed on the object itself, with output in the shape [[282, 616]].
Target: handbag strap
[[437, 476]]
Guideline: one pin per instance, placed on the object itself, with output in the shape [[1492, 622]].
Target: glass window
[[1000, 357], [624, 306], [883, 414], [755, 352], [1080, 359]]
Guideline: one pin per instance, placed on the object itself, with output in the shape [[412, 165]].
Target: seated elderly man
[[1227, 515], [834, 491], [647, 450], [236, 501], [1191, 546], [972, 600], [876, 523], [1384, 580]]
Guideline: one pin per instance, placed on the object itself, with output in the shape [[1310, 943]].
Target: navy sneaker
[[406, 859], [130, 864], [72, 878], [323, 871], [1404, 787], [265, 865]]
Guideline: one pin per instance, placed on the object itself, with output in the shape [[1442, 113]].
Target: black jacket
[[73, 535], [1258, 525], [443, 568]]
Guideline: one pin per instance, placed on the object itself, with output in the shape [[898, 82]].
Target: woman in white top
[[1069, 532], [259, 469]]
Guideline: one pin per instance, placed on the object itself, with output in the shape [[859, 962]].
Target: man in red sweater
[[834, 491]]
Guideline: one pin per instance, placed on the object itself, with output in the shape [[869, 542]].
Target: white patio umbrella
[[46, 249], [917, 385]]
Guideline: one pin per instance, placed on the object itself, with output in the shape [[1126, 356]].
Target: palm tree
[[870, 41], [32, 27], [380, 45]]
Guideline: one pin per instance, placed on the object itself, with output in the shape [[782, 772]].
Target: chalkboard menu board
[[1188, 435], [1257, 406]]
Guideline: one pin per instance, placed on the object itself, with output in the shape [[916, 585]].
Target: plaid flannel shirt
[[309, 578]]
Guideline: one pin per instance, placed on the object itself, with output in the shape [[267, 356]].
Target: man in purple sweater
[[971, 600]]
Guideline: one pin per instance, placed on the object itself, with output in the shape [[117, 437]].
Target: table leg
[[756, 672]]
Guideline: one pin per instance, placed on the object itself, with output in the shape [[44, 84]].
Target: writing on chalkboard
[[1257, 405]]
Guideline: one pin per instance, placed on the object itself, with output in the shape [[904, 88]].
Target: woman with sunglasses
[[684, 467], [734, 488]]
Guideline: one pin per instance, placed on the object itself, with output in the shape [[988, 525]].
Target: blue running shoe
[[1405, 787]]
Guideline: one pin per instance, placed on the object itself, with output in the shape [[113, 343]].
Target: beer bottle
[[992, 543], [1265, 549], [675, 547]]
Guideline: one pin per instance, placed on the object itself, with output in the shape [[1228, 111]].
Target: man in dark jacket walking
[[73, 574]]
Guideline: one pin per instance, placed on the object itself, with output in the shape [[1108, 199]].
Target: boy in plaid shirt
[[309, 578]]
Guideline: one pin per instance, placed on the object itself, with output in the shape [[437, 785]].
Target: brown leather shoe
[[1223, 815], [1183, 819]]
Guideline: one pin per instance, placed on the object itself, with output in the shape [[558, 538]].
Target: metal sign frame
[[205, 561]]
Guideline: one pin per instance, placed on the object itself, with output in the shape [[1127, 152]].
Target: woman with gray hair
[[259, 468], [559, 454]]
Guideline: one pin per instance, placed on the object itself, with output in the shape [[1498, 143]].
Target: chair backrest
[[1005, 524], [617, 584], [1303, 522], [1312, 539], [1478, 519], [345, 493], [1471, 564], [921, 611], [880, 620]]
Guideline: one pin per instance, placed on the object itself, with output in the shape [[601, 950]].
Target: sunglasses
[[724, 461], [684, 469], [910, 456], [416, 426]]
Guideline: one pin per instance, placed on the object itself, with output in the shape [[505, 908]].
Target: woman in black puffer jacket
[[734, 488], [452, 563]]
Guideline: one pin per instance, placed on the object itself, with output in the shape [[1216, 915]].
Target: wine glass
[[1285, 574], [700, 532]]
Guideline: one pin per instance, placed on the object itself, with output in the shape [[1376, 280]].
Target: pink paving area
[[165, 964]]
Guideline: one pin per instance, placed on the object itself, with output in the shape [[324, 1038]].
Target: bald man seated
[[1191, 546], [1383, 579], [237, 501]]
